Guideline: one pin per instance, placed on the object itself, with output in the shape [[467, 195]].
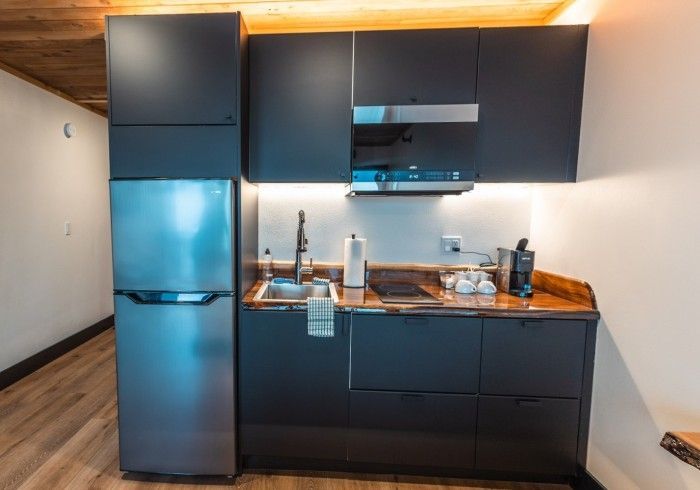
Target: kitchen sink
[[295, 293]]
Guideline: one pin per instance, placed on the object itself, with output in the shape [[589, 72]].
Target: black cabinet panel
[[405, 353], [434, 66], [300, 107], [174, 151], [532, 435], [173, 69], [533, 357], [293, 388], [412, 429], [530, 87]]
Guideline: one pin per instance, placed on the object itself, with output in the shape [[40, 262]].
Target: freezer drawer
[[175, 378], [174, 235]]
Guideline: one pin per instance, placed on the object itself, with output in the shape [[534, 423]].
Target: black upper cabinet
[[434, 66], [293, 388], [530, 89], [173, 69], [300, 107]]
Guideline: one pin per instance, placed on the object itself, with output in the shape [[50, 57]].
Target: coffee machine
[[515, 267]]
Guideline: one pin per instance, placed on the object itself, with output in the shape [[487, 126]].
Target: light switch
[[66, 228], [450, 242]]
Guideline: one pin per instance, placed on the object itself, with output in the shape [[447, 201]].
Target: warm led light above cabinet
[[337, 192]]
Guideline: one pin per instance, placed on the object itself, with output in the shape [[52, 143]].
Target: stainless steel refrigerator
[[174, 276]]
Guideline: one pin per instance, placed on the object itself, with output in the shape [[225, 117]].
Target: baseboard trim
[[586, 481], [26, 367]]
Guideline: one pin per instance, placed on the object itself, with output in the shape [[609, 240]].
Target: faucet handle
[[308, 269]]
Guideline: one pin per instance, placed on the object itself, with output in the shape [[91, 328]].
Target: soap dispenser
[[267, 271]]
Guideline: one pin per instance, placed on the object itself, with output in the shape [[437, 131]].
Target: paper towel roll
[[354, 262]]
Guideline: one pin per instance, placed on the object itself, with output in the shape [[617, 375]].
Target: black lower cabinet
[[415, 353], [293, 388], [412, 429], [528, 435], [533, 357]]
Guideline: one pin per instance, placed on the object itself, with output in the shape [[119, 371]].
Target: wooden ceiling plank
[[418, 4], [559, 10], [333, 7], [84, 29], [42, 85]]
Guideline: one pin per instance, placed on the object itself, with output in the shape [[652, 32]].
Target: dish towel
[[320, 282], [320, 317]]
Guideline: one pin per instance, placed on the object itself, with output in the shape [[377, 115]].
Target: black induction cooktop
[[404, 293]]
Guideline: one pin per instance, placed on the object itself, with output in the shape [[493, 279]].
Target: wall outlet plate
[[450, 242]]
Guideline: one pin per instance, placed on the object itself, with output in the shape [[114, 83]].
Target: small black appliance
[[515, 267]]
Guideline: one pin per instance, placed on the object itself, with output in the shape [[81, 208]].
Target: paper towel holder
[[364, 273], [364, 276]]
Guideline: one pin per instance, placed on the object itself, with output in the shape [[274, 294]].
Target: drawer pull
[[528, 403], [531, 323], [415, 321], [412, 398]]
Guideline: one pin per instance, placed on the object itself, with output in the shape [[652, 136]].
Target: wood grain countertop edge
[[683, 445]]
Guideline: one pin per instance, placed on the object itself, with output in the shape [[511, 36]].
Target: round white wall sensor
[[69, 130]]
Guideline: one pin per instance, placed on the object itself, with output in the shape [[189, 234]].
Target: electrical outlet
[[449, 243]]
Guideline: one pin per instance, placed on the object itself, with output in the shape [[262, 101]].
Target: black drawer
[[412, 429], [533, 357], [173, 151], [415, 353], [532, 435]]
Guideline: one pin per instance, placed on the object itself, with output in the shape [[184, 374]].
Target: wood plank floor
[[58, 430]]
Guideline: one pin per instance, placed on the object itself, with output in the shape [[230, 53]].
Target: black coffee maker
[[514, 273]]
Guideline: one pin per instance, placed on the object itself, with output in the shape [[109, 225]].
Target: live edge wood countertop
[[555, 296]]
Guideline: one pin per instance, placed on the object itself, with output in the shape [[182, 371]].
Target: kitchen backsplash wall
[[398, 229]]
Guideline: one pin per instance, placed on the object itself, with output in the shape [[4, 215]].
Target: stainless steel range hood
[[413, 149]]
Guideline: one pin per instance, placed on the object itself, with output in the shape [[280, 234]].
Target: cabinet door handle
[[528, 403], [412, 397], [532, 323], [415, 321]]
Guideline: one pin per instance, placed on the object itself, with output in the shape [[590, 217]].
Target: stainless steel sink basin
[[295, 293]]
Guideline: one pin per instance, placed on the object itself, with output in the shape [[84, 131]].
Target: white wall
[[398, 229], [631, 227], [51, 285]]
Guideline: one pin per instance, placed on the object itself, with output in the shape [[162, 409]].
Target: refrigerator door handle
[[172, 298]]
